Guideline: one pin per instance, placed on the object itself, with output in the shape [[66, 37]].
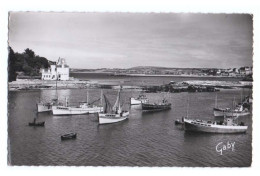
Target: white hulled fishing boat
[[82, 108], [239, 110], [46, 106], [228, 126], [139, 100], [112, 115]]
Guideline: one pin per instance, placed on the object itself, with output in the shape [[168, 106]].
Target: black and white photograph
[[130, 89]]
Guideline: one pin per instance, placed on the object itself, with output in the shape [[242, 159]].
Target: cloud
[[95, 40]]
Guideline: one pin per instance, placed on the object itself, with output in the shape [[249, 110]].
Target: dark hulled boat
[[164, 105], [69, 136], [36, 123]]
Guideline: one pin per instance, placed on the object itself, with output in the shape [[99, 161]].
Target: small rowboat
[[69, 136], [36, 124]]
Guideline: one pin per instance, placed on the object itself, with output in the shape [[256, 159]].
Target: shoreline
[[159, 75], [84, 84]]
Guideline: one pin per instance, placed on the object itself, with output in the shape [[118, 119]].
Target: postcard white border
[[198, 6]]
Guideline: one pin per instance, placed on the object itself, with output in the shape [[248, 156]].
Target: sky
[[125, 40]]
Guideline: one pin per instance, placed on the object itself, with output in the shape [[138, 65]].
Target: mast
[[216, 101], [101, 97], [34, 119], [56, 70], [233, 106], [187, 110], [66, 101], [87, 97], [105, 105], [119, 105]]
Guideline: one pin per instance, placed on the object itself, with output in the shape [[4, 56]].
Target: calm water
[[145, 139]]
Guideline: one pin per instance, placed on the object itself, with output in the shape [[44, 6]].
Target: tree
[[26, 62], [29, 52], [11, 65]]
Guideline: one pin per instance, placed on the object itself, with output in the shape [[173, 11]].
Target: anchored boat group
[[108, 113]]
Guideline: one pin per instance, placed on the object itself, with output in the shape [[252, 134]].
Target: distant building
[[59, 71], [218, 72], [245, 70], [232, 74], [225, 74], [236, 70]]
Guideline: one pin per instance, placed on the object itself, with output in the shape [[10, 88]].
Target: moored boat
[[112, 115], [164, 105], [139, 100], [46, 106], [83, 108], [36, 123], [228, 126], [239, 110], [69, 136]]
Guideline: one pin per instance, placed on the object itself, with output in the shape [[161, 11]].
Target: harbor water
[[145, 139]]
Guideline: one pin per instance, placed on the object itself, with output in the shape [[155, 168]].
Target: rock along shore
[[187, 86]]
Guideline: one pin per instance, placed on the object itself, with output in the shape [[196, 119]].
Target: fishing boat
[[82, 108], [228, 126], [164, 105], [139, 100], [46, 106], [69, 136], [36, 124], [112, 115], [239, 110]]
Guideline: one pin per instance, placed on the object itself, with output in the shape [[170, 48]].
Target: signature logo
[[221, 147]]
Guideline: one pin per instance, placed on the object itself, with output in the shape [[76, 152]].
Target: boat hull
[[155, 107], [198, 127], [138, 101], [42, 107], [112, 118], [41, 124], [221, 112], [69, 136], [60, 110]]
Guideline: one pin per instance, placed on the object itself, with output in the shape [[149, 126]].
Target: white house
[[59, 71]]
